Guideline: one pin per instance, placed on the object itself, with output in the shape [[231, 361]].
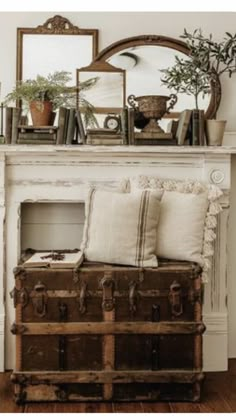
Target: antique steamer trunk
[[100, 332]]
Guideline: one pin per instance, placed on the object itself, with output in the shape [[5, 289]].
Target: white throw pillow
[[181, 226], [188, 218], [121, 228]]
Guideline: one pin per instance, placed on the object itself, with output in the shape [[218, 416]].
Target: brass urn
[[153, 107]]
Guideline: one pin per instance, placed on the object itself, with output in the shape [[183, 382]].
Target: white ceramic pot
[[215, 132]]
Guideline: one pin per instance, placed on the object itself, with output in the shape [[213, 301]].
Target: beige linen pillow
[[181, 226], [188, 218], [121, 228]]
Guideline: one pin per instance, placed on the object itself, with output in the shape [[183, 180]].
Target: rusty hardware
[[196, 271], [62, 352], [175, 299], [19, 379], [133, 297], [195, 296], [76, 275], [201, 328], [155, 339], [20, 296], [62, 394], [141, 275], [108, 286], [14, 378], [18, 329], [199, 377], [20, 397], [39, 299], [63, 312], [63, 316], [82, 298], [19, 273]]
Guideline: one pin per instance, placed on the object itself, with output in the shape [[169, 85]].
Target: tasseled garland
[[191, 187]]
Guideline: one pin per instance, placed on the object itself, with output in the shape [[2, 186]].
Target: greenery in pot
[[215, 58], [208, 60], [185, 76], [54, 88]]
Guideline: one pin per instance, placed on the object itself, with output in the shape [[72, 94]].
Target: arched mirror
[[143, 57], [57, 45]]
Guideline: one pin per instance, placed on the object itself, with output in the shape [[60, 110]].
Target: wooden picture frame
[[130, 45], [53, 28], [102, 69]]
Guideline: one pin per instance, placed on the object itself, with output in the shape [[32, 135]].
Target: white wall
[[117, 25]]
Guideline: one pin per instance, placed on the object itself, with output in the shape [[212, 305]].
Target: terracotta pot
[[215, 132], [41, 113]]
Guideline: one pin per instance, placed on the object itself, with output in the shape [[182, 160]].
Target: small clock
[[113, 122]]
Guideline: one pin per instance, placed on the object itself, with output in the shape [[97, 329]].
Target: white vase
[[215, 132]]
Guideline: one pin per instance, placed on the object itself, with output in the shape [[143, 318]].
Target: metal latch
[[175, 299], [20, 296], [108, 286], [39, 299], [133, 296], [195, 296], [82, 297]]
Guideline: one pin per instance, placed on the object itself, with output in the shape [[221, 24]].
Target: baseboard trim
[[2, 340], [215, 337], [216, 323]]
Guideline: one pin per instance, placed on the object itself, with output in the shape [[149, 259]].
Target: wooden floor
[[219, 396]]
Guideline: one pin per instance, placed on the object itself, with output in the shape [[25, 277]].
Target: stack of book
[[147, 138], [29, 134], [69, 129], [153, 138], [197, 128], [104, 136], [13, 116], [2, 137], [190, 130]]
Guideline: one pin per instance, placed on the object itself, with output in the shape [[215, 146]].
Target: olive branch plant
[[208, 60]]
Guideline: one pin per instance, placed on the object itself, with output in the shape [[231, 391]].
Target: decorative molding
[[21, 150], [216, 324], [215, 342], [217, 176], [57, 25]]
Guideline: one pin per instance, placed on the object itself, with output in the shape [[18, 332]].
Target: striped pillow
[[121, 228]]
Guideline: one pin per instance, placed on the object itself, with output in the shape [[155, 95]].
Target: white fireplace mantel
[[64, 173]]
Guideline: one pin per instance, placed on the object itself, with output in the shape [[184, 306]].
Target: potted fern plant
[[211, 59], [44, 95]]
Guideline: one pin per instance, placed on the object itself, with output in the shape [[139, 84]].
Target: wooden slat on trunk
[[108, 328], [108, 355], [128, 376]]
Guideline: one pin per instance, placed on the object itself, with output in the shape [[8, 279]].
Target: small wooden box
[[100, 332]]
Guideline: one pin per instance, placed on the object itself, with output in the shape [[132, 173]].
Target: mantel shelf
[[115, 150]]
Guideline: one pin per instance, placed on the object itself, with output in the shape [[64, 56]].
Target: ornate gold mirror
[[57, 45], [143, 57]]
